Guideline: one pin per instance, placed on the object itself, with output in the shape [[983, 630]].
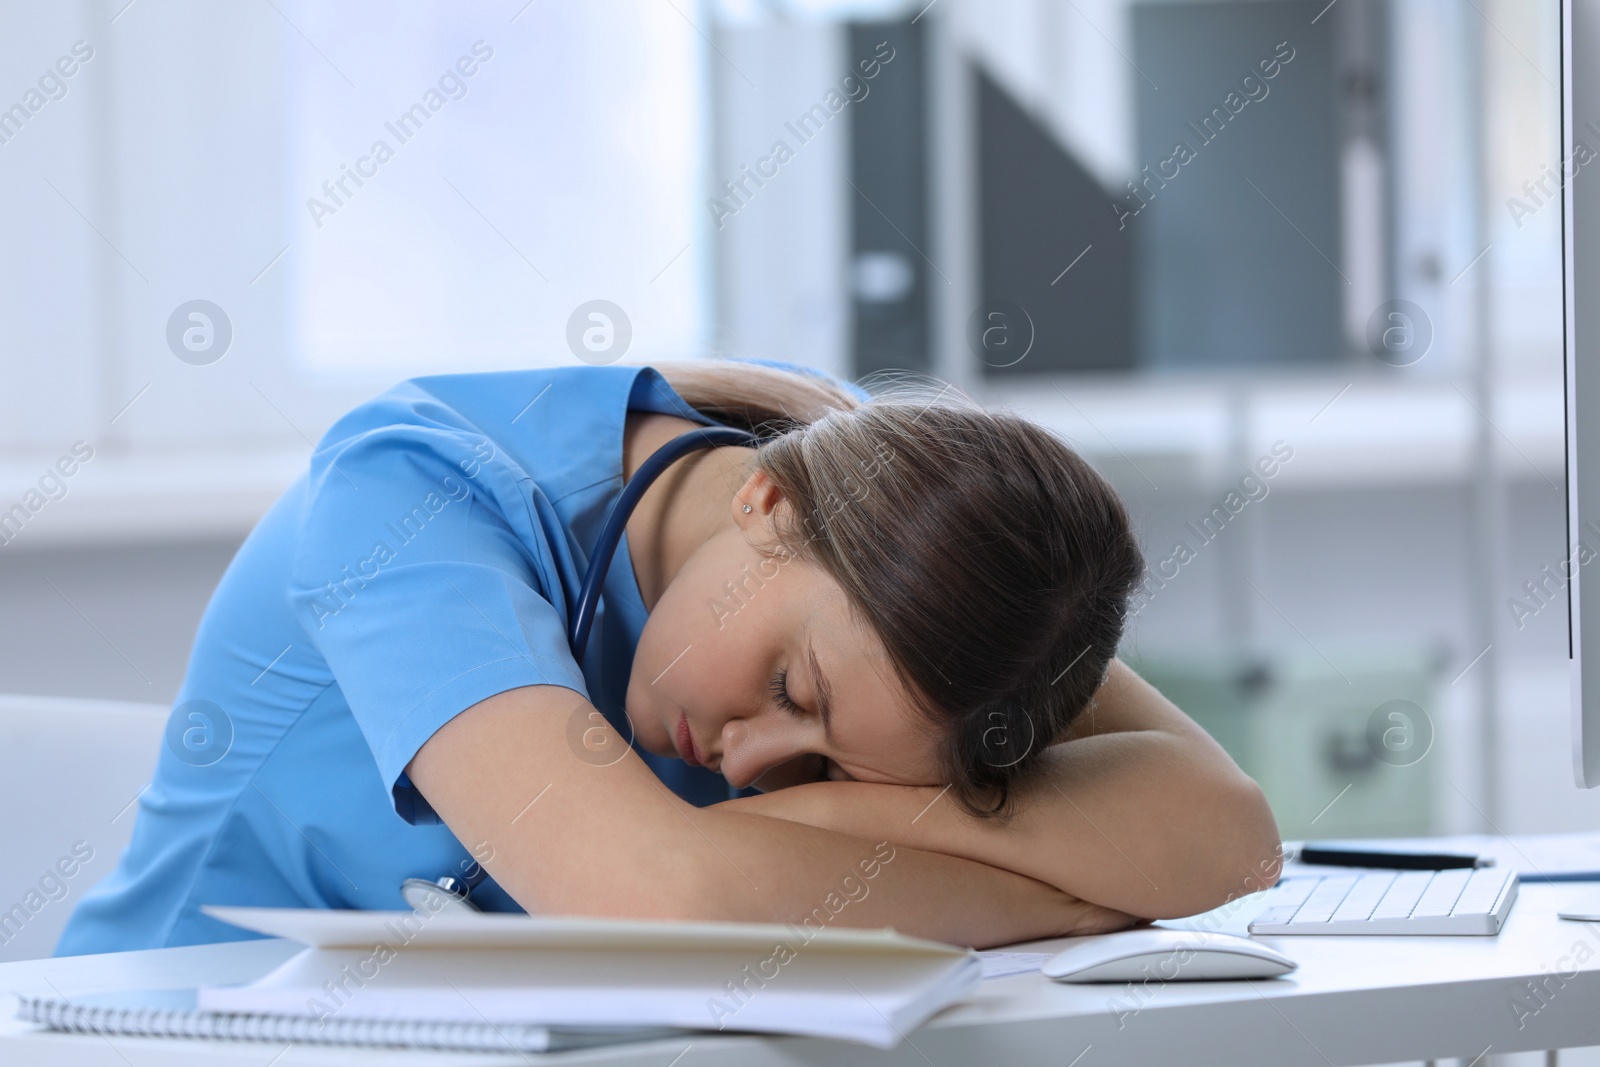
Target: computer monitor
[[1580, 267]]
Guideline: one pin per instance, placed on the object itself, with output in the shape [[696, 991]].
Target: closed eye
[[779, 688]]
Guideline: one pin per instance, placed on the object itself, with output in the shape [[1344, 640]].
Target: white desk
[[1353, 1001]]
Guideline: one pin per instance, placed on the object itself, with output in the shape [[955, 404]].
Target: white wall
[[782, 255], [178, 166]]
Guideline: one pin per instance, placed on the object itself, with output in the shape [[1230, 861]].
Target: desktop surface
[[1354, 1000]]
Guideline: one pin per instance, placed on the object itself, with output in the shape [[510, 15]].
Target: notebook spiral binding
[[399, 1033]]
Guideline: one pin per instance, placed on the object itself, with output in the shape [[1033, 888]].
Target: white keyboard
[[1462, 901]]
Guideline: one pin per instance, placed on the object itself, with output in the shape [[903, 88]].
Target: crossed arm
[[1138, 814], [1138, 810]]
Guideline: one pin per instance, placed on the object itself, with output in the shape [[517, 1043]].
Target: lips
[[685, 742]]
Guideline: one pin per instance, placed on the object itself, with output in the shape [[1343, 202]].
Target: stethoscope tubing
[[605, 546]]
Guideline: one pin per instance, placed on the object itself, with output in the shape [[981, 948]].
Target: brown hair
[[993, 563]]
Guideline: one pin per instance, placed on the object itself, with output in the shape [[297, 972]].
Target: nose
[[753, 746]]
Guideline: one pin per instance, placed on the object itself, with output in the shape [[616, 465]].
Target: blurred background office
[[1287, 272]]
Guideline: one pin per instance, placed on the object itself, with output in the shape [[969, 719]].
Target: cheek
[[689, 659], [708, 647], [729, 625]]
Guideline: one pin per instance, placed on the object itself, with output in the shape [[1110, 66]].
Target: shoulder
[[562, 424], [504, 401]]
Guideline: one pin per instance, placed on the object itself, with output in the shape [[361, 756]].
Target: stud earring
[[747, 509]]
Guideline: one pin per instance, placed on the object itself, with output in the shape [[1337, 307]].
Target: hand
[[1035, 911], [802, 770], [1081, 917]]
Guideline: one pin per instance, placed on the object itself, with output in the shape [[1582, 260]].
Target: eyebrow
[[824, 693]]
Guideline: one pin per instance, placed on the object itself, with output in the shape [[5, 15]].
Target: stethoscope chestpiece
[[445, 894]]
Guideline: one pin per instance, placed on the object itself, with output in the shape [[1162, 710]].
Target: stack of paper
[[872, 986]]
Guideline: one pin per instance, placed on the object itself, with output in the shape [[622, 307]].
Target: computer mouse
[[1165, 955]]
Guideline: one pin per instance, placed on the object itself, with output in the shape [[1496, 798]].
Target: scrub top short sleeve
[[425, 578]]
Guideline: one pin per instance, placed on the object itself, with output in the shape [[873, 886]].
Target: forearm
[[817, 877], [1177, 850]]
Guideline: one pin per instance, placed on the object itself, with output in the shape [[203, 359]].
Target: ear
[[762, 497], [765, 501]]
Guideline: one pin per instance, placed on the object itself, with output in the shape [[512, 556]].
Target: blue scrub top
[[428, 560]]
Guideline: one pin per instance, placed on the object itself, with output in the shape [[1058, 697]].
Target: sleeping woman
[[862, 671]]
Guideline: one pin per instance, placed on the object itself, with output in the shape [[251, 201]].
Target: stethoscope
[[455, 892]]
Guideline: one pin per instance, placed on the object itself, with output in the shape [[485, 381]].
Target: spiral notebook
[[176, 1013], [544, 983]]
